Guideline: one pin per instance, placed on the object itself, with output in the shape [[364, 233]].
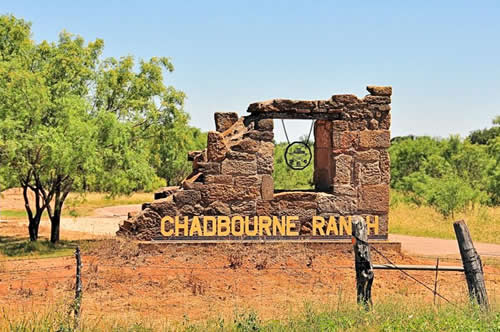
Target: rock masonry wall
[[233, 175]]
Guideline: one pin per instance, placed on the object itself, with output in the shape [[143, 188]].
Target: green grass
[[18, 248], [13, 214], [390, 316]]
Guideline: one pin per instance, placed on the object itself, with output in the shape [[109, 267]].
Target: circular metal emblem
[[298, 155]]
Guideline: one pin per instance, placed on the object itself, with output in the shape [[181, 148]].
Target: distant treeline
[[448, 174]]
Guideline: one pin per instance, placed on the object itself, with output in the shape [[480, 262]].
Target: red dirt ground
[[172, 282]]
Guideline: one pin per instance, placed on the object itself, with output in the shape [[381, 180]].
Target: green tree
[[287, 178], [493, 149], [483, 136], [70, 122], [449, 194]]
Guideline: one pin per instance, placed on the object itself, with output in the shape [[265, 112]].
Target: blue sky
[[442, 58]]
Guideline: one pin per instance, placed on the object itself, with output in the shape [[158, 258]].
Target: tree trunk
[[33, 219], [33, 226], [55, 223]]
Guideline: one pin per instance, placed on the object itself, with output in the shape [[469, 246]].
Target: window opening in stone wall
[[293, 155]]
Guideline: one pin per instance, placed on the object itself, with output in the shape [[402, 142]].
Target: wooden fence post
[[78, 287], [473, 267], [363, 264]]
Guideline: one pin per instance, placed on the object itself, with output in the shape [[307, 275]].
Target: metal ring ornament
[[296, 158]]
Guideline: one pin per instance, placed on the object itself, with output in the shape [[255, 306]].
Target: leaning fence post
[[473, 267], [78, 287], [363, 264]]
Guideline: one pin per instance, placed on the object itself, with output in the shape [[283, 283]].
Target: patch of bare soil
[[122, 279], [12, 199]]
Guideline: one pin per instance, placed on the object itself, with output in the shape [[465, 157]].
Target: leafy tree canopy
[[71, 121]]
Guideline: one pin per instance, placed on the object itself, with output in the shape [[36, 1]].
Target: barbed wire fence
[[239, 278], [14, 274]]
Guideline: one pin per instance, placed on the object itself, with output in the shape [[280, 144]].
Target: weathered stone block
[[385, 167], [183, 197], [374, 198], [345, 99], [222, 179], [222, 192], [369, 173], [377, 99], [385, 121], [345, 140], [263, 208], [358, 124], [343, 205], [216, 147], [267, 187], [189, 185], [191, 210], [373, 124], [147, 223], [224, 120], [343, 169], [340, 125], [344, 190], [265, 124], [239, 167], [282, 105], [246, 145], [306, 205], [209, 168], [305, 216], [244, 208], [251, 192], [295, 196], [264, 164], [245, 181], [164, 192], [369, 155], [265, 158], [227, 193], [240, 155], [218, 208], [259, 135], [375, 139], [380, 107], [379, 90]]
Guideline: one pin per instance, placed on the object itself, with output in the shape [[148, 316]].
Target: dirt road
[[104, 221], [439, 247]]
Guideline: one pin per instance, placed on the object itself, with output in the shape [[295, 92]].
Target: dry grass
[[12, 205], [409, 219], [79, 205]]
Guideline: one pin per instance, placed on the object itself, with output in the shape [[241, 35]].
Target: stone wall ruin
[[233, 175]]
